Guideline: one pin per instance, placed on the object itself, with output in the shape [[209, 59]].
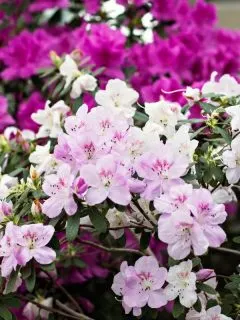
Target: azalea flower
[[234, 112], [209, 215], [59, 187], [42, 158], [85, 82], [192, 95], [50, 119], [181, 233], [231, 158], [118, 97], [6, 209], [163, 117], [77, 124], [6, 183], [32, 240], [182, 283], [69, 70], [105, 181]]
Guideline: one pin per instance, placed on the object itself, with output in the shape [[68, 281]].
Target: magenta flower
[[26, 108], [92, 6], [32, 240], [6, 119], [25, 54], [40, 5], [106, 180], [59, 187]]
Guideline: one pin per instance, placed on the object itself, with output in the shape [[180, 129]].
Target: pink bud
[[80, 186]]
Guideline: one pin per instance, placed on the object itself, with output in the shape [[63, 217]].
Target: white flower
[[182, 283], [6, 182], [50, 119], [224, 195], [42, 158], [231, 158], [118, 97], [227, 86], [192, 95], [31, 311], [69, 70], [163, 117], [117, 219], [182, 143], [213, 313], [85, 82], [234, 112], [26, 134]]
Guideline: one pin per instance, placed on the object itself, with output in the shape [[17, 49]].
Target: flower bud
[[34, 173], [56, 60], [80, 187], [36, 207], [6, 209]]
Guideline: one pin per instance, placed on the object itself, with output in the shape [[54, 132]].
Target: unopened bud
[[36, 207], [80, 187], [33, 173], [56, 60]]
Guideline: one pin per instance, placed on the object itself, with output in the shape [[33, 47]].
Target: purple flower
[[26, 108], [92, 6], [6, 119]]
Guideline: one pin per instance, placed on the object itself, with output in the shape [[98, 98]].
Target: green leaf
[[178, 309], [78, 263], [98, 220], [206, 288], [211, 303], [141, 117], [172, 262], [11, 282], [195, 133], [26, 271], [208, 108], [226, 136], [236, 239], [77, 104], [198, 306], [5, 313], [11, 302], [31, 280], [196, 261], [48, 267], [54, 243], [72, 228], [144, 240]]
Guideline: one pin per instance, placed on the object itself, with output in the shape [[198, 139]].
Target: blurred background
[[229, 13]]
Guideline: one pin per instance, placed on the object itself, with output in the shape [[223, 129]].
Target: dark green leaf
[[31, 280], [78, 263], [196, 261], [77, 104], [141, 117], [48, 267], [98, 220], [5, 313], [206, 288], [72, 228], [208, 108], [226, 136], [236, 239], [198, 306], [26, 271], [172, 262], [211, 303], [144, 240], [54, 243], [11, 282], [11, 302], [178, 309]]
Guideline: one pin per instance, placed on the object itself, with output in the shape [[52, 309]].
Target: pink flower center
[[146, 281], [106, 177], [161, 167], [89, 150]]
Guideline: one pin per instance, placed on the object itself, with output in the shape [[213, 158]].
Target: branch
[[226, 250], [118, 228], [119, 250], [154, 224], [74, 313], [52, 310]]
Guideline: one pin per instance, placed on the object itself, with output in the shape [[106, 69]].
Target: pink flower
[[6, 119], [59, 187], [77, 124], [141, 285], [157, 167], [209, 215], [32, 240], [181, 233], [106, 181], [9, 250], [40, 5]]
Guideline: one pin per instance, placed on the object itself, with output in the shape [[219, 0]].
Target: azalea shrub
[[120, 164]]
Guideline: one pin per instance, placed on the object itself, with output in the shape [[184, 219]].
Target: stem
[[52, 310], [67, 294], [74, 313], [154, 224], [226, 250], [118, 228], [119, 250]]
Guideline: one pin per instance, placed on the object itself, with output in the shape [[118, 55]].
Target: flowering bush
[[120, 165]]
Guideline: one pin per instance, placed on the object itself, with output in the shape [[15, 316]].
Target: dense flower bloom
[[40, 5], [25, 54], [182, 283]]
